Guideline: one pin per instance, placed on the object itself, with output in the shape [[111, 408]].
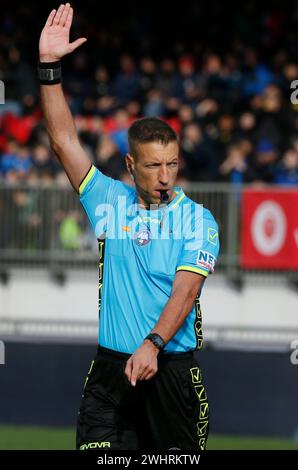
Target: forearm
[[59, 121], [53, 46], [173, 315], [63, 135], [142, 365]]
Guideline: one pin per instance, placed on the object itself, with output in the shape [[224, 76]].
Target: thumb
[[74, 45], [128, 369]]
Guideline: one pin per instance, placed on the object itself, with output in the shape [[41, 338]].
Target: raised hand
[[54, 39]]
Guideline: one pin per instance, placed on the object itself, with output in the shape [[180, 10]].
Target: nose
[[163, 175]]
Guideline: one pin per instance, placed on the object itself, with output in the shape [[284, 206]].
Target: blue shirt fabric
[[143, 250]]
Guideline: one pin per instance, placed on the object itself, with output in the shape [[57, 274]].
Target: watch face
[[157, 341]]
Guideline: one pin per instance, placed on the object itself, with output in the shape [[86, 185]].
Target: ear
[[130, 164]]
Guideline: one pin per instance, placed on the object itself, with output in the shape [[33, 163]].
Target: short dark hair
[[149, 129]]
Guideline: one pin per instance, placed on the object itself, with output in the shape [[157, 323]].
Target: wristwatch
[[156, 340]]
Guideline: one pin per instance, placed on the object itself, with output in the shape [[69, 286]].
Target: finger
[[128, 369], [50, 18], [134, 375], [64, 14], [144, 372], [58, 14], [74, 45], [68, 20], [150, 375]]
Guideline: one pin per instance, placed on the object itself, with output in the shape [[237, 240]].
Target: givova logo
[[95, 445], [2, 353]]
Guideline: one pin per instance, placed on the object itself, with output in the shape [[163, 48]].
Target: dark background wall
[[249, 393]]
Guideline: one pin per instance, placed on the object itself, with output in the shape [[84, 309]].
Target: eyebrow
[[159, 163]]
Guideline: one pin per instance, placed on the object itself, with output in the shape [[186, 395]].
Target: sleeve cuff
[[86, 179], [193, 269]]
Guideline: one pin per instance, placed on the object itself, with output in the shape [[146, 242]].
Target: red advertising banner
[[269, 231]]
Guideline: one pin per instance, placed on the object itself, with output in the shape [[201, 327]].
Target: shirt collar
[[174, 203]]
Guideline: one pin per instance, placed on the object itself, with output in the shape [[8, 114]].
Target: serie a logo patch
[[143, 237]]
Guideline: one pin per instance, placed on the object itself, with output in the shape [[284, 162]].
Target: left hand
[[142, 365]]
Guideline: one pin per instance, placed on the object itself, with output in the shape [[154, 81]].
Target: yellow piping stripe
[[190, 268], [179, 200], [86, 179]]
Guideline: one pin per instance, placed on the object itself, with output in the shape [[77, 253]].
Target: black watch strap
[[156, 340]]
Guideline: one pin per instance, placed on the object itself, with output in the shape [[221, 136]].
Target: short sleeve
[[98, 195], [200, 251]]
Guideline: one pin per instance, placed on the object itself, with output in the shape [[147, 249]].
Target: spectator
[[236, 168], [246, 126], [119, 135], [165, 81], [213, 78], [256, 77], [70, 232], [43, 162], [154, 105], [126, 86], [287, 170], [108, 158], [197, 152], [148, 71], [265, 157], [102, 85], [186, 85], [17, 159]]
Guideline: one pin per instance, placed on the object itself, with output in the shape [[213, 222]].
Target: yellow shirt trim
[[86, 179], [179, 200], [192, 269]]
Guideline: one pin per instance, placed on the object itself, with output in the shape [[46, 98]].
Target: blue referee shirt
[[140, 253]]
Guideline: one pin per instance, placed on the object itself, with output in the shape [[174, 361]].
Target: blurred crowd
[[223, 84]]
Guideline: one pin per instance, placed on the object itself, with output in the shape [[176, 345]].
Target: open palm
[[54, 39]]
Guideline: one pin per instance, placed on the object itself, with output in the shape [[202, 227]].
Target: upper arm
[[74, 160], [188, 284]]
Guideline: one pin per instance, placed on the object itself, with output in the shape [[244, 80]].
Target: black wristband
[[156, 340], [49, 73]]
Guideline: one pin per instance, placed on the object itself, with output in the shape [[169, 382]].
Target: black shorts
[[166, 412]]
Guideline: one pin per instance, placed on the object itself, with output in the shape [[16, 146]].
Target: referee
[[144, 388]]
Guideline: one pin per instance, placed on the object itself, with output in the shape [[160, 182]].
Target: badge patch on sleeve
[[206, 260], [212, 236]]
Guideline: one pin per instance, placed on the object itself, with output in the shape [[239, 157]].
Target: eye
[[173, 164]]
